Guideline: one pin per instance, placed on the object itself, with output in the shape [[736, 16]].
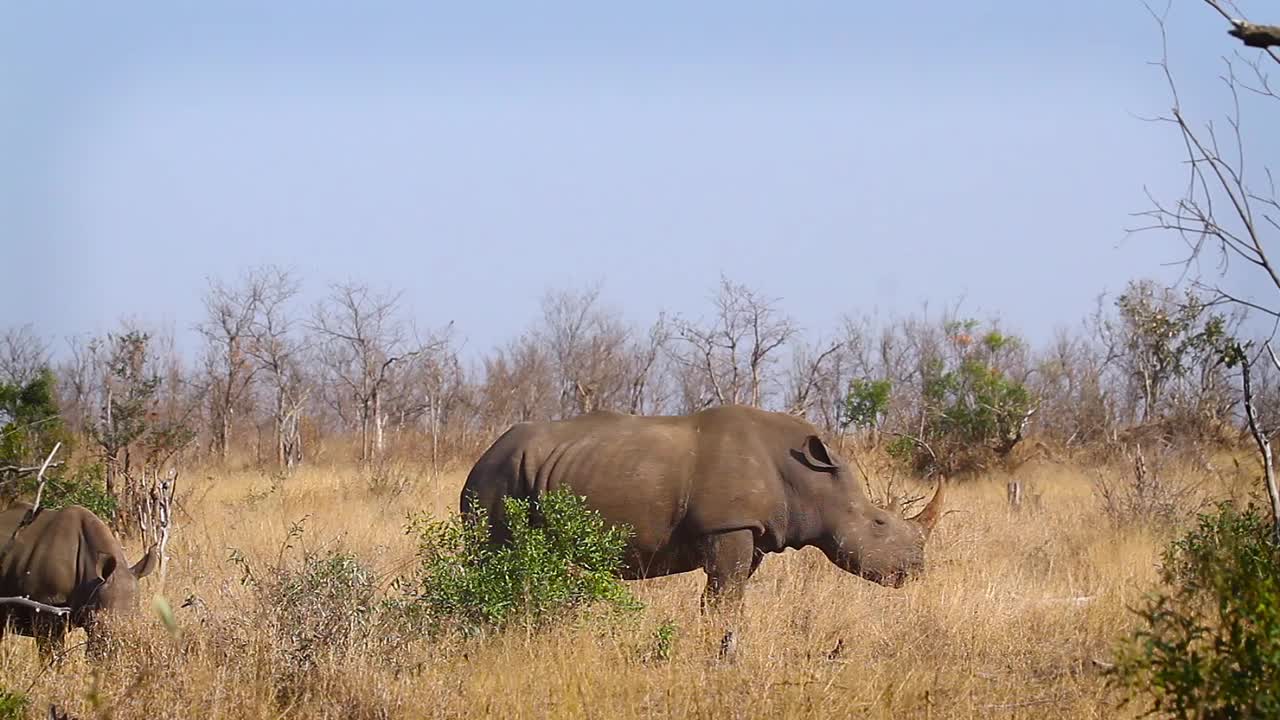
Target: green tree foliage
[[83, 485], [562, 557], [1169, 345], [129, 422], [1208, 645], [29, 421], [32, 427], [970, 405], [865, 403]]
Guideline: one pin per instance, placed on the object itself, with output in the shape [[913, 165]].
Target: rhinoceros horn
[[928, 517]]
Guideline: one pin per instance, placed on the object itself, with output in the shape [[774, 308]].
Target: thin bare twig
[[16, 471], [921, 443], [30, 515], [1025, 703], [27, 519]]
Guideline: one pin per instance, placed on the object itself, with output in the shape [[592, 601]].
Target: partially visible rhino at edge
[[65, 558]]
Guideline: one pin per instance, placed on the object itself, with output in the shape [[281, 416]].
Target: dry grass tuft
[[1016, 609]]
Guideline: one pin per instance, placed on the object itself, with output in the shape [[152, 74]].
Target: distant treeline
[[279, 383]]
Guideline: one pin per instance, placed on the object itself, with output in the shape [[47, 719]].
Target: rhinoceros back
[[50, 558], [632, 470]]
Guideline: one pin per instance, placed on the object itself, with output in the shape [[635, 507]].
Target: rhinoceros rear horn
[[816, 455], [929, 516]]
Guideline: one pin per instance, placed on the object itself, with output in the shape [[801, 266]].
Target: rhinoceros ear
[[816, 455], [147, 564], [106, 565]]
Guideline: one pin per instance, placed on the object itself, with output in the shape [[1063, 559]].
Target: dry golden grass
[[992, 631]]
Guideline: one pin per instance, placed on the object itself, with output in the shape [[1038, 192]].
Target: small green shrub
[[663, 643], [562, 557], [13, 705], [1208, 645]]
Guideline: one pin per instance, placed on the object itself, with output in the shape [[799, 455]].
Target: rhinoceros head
[[877, 544], [112, 592], [115, 589]]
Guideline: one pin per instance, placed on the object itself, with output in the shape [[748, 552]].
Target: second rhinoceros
[[66, 558]]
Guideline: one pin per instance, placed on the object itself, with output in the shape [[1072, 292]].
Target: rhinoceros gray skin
[[716, 490], [68, 558]]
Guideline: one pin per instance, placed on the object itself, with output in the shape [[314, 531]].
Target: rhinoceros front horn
[[928, 517]]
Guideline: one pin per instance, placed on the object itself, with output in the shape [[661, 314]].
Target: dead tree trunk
[[1264, 444], [378, 423], [1014, 489]]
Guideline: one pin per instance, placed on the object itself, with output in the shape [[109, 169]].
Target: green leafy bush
[[974, 408], [13, 705], [865, 403], [562, 557], [85, 486], [1208, 645]]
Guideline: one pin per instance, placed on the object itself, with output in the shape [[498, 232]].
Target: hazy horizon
[[840, 158]]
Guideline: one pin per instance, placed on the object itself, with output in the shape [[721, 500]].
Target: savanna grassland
[[1017, 617]]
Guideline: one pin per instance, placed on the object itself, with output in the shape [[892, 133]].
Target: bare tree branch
[[37, 606], [30, 515]]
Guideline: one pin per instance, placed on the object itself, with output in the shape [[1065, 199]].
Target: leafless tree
[[278, 353], [1076, 405], [23, 355], [588, 345], [363, 343], [228, 331], [78, 383], [1230, 204], [143, 408], [444, 393], [733, 355], [519, 384], [646, 385], [814, 378]]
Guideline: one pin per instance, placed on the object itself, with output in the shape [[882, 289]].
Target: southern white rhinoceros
[[714, 490], [65, 558]]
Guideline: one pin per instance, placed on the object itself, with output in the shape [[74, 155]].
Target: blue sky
[[834, 154]]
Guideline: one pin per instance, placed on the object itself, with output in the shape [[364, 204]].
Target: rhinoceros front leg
[[51, 636], [729, 559]]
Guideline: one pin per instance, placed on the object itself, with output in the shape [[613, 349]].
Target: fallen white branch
[[1077, 601], [37, 606]]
